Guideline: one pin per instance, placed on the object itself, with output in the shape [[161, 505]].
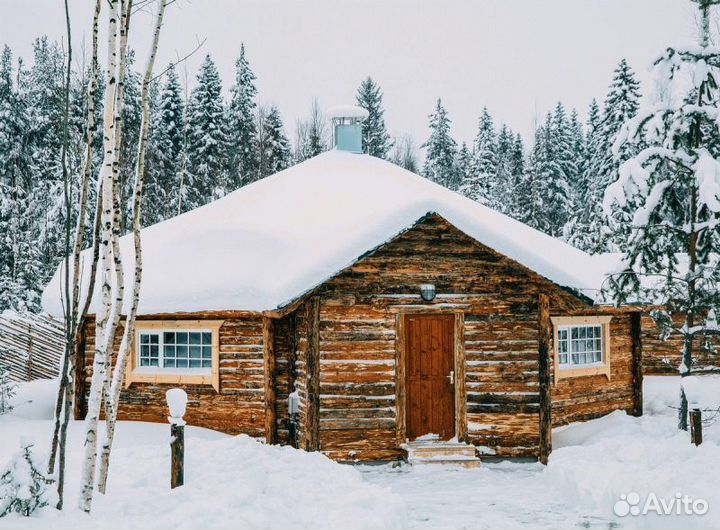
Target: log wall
[[584, 398], [237, 408], [664, 356]]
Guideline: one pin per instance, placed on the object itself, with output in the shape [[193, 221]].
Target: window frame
[[568, 370], [178, 376]]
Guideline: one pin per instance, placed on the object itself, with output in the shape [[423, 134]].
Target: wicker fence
[[31, 345]]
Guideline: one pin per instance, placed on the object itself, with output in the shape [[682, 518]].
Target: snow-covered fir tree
[[510, 167], [464, 165], [480, 183], [242, 157], [165, 149], [584, 221], [274, 152], [24, 485], [132, 115], [206, 139], [440, 150], [528, 203], [21, 272], [547, 176], [601, 234], [40, 90], [8, 388], [673, 185], [375, 139]]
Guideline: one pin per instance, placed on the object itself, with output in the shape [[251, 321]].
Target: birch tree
[[129, 333], [104, 330], [673, 249]]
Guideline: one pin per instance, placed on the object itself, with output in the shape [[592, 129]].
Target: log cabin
[[393, 314]]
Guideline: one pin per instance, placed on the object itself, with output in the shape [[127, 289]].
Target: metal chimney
[[347, 127]]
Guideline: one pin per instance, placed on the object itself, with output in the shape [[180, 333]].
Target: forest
[[205, 142]]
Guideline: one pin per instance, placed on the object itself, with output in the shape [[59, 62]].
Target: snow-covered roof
[[348, 111], [266, 244]]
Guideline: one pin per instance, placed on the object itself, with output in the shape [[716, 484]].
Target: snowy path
[[497, 495]]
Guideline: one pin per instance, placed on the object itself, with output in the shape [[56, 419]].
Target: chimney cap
[[348, 111]]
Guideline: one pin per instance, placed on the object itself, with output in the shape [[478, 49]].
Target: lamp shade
[[427, 292]]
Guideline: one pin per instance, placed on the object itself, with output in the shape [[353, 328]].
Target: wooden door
[[429, 383]]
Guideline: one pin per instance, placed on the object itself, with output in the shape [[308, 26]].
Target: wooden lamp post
[[177, 400]]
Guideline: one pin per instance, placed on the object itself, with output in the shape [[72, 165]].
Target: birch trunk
[[62, 388], [103, 314], [114, 321], [129, 334]]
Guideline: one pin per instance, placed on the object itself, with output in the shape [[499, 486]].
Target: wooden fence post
[[696, 426], [177, 401], [544, 335], [177, 455], [637, 368]]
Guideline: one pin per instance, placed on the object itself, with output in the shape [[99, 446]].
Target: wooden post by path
[[696, 426]]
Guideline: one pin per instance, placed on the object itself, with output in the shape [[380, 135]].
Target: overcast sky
[[517, 57]]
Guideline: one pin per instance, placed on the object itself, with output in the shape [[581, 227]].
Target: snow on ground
[[229, 481], [238, 482], [592, 464]]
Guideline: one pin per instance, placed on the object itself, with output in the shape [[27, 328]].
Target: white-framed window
[[175, 349], [580, 346], [176, 352]]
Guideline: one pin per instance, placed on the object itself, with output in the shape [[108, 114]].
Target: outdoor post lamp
[[427, 292], [177, 401]]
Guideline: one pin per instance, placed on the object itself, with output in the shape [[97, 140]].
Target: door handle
[[451, 376]]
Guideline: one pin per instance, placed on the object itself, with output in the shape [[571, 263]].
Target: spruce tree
[[165, 148], [673, 186], [505, 175], [464, 164], [375, 138], [440, 150], [242, 157], [585, 219], [607, 234], [274, 149], [206, 140], [480, 184], [24, 485]]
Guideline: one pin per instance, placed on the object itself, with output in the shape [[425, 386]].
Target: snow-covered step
[[434, 452]]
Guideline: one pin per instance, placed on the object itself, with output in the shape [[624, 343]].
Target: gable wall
[[358, 409]]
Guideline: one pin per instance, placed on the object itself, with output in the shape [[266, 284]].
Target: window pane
[[182, 363], [206, 363], [195, 338], [169, 337], [574, 332], [181, 352], [181, 337], [195, 363], [207, 338], [195, 352], [169, 351], [207, 352], [169, 363]]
